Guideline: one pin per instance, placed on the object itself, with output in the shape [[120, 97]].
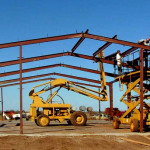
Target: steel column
[[99, 106], [21, 119], [2, 103], [111, 100], [141, 90], [128, 95]]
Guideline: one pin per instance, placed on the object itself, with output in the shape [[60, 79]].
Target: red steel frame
[[82, 36], [21, 119], [2, 103], [141, 90]]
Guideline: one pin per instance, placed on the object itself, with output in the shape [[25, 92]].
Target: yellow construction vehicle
[[132, 115], [56, 111]]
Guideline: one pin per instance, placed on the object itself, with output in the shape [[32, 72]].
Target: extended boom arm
[[67, 85]]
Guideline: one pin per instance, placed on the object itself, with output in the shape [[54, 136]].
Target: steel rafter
[[112, 56], [80, 78], [79, 42], [55, 65], [13, 84], [116, 41], [103, 47], [70, 36], [96, 59], [40, 40], [32, 77], [129, 51]]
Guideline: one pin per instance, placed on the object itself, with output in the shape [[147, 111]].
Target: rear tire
[[69, 122], [116, 123], [134, 125], [78, 118], [43, 120]]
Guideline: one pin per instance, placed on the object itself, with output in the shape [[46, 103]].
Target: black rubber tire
[[36, 122], [134, 125], [116, 123], [43, 120], [78, 118], [69, 122]]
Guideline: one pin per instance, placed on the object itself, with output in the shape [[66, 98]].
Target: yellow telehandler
[[57, 111]]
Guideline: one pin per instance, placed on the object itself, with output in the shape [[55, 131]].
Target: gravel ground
[[98, 134]]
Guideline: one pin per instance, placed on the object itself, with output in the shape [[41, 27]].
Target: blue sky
[[30, 19]]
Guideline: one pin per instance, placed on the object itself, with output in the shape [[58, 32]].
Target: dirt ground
[[97, 135]]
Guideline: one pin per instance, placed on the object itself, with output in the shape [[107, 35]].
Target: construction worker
[[144, 42], [119, 61]]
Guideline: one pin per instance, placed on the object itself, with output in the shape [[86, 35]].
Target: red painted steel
[[129, 51], [103, 47], [79, 42], [82, 36], [111, 56], [21, 119], [41, 40], [25, 60], [121, 42], [111, 100], [70, 36], [122, 54], [52, 66], [2, 103], [99, 102], [141, 89], [13, 84]]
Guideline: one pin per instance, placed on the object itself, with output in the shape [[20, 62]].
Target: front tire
[[134, 125], [43, 120], [78, 118], [116, 123]]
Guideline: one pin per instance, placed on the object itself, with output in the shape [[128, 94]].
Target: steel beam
[[116, 41], [31, 59], [70, 36], [87, 70], [13, 84], [128, 51], [103, 47], [111, 56], [111, 100], [21, 119], [40, 40], [52, 66], [122, 54], [141, 89], [2, 103], [79, 78], [79, 42], [99, 102], [25, 60], [38, 76]]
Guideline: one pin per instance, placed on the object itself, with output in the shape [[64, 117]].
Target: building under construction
[[134, 76]]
